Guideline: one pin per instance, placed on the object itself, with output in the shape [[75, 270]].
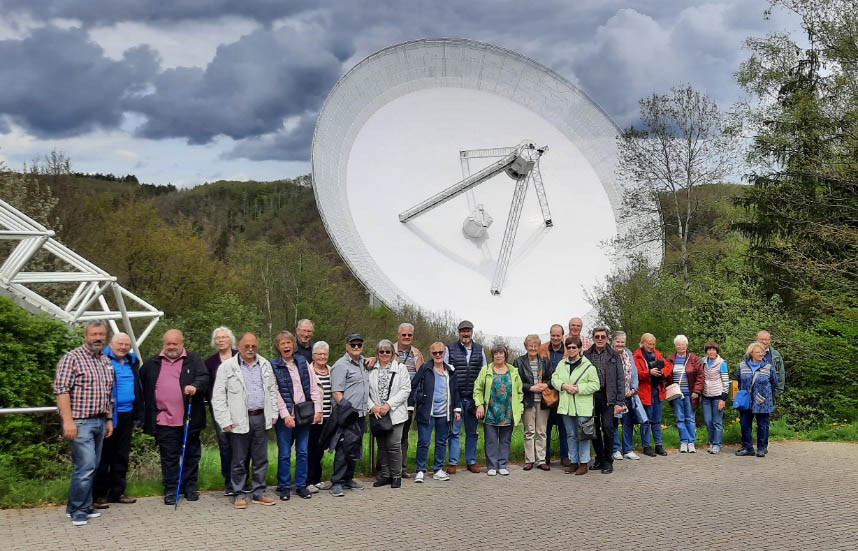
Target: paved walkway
[[802, 496]]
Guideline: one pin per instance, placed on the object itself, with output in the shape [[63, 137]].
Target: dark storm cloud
[[249, 88], [58, 83], [285, 145]]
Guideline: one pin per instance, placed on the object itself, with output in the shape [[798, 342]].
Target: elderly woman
[[535, 373], [653, 374], [577, 380], [759, 378], [688, 374], [315, 448], [716, 381], [297, 388], [223, 341], [435, 395], [389, 388], [628, 420], [499, 400]]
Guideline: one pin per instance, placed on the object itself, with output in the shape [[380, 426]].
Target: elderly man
[[773, 357], [555, 351], [304, 335], [170, 379], [412, 359], [246, 404], [468, 359], [83, 386], [575, 327], [350, 391], [609, 400], [109, 485]]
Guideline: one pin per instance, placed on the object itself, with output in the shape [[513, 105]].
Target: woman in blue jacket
[[435, 397], [760, 379]]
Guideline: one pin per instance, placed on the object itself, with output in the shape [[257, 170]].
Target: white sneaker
[[632, 455], [683, 448], [503, 472], [691, 448], [418, 477], [312, 488], [326, 485], [440, 475], [492, 472], [617, 456], [715, 450]]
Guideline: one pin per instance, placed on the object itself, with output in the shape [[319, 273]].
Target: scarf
[[648, 356], [628, 365]]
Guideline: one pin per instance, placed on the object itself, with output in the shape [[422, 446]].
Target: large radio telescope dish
[[422, 145]]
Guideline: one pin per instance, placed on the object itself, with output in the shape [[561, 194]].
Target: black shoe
[[284, 495], [745, 451], [228, 492], [396, 483], [303, 492], [607, 468], [170, 499], [192, 495], [648, 452], [382, 482], [596, 465], [660, 450], [761, 452]]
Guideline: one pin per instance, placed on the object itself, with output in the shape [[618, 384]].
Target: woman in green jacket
[[499, 400], [577, 380]]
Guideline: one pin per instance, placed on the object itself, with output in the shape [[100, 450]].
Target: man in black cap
[[467, 359], [350, 391]]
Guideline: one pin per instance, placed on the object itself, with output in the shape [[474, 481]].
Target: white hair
[[303, 321], [228, 331], [403, 325], [680, 338], [321, 345], [119, 334]]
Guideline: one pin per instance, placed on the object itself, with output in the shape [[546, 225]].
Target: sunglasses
[[438, 353], [356, 344], [406, 334], [380, 352], [571, 347], [600, 337]]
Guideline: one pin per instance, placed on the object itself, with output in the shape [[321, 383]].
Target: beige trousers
[[535, 419]]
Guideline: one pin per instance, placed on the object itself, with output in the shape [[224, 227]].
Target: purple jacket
[[212, 363]]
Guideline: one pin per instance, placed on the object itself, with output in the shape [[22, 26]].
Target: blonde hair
[[646, 337], [530, 338], [754, 345]]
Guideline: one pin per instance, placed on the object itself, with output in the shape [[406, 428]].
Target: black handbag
[[304, 413], [379, 426]]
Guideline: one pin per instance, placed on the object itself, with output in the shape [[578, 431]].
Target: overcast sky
[[188, 91]]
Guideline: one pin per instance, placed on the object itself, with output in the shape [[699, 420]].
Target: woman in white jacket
[[389, 387]]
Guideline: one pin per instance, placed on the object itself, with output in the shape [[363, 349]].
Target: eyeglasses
[[380, 352], [356, 344], [600, 337], [571, 347], [406, 334], [437, 352]]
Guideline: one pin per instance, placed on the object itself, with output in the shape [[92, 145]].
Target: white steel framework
[[96, 295]]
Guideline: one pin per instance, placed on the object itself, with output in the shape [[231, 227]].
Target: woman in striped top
[[322, 373], [716, 381], [688, 374]]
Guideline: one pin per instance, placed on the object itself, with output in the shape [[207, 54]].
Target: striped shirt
[[324, 382], [679, 374], [534, 368], [87, 377]]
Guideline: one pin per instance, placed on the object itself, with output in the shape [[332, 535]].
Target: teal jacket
[[483, 389], [582, 402]]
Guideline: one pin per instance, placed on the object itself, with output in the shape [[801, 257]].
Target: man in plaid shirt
[[84, 389]]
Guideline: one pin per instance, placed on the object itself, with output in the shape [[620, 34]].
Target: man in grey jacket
[[246, 404], [773, 357]]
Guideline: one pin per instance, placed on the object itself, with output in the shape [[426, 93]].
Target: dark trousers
[[252, 444], [113, 467], [315, 453], [555, 420], [406, 428], [346, 458], [169, 441], [603, 415], [746, 420]]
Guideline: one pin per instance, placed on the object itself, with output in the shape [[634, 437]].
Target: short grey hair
[[384, 343], [619, 334], [321, 345], [94, 323], [119, 334], [403, 325], [530, 338], [226, 330], [680, 338], [303, 321]]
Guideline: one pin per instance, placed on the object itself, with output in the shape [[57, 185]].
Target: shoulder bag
[[380, 426], [304, 413], [673, 391], [586, 429], [742, 398]]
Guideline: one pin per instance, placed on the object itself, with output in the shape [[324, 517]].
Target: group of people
[[585, 386]]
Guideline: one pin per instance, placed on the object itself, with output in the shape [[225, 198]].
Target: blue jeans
[[579, 452], [470, 422], [746, 419], [714, 420], [628, 422], [684, 414], [424, 434], [86, 452], [653, 412], [285, 437], [556, 420]]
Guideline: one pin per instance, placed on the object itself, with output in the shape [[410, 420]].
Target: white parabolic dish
[[389, 136]]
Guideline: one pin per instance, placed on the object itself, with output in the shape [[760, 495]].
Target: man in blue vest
[[467, 359]]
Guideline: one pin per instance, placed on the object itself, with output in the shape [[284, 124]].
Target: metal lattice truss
[[94, 293], [521, 163]]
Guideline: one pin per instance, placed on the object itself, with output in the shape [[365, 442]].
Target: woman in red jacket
[[654, 373]]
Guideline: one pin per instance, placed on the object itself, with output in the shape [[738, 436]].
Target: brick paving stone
[[802, 504]]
